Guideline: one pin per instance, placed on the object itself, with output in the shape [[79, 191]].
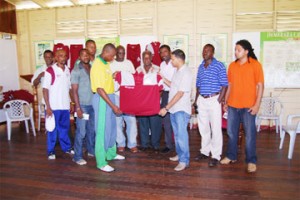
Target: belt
[[166, 91], [210, 95]]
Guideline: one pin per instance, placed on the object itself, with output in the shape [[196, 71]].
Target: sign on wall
[[39, 48], [178, 42], [219, 41]]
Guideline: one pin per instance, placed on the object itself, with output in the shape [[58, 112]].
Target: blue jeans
[[179, 121], [235, 117], [152, 123], [131, 129], [85, 129]]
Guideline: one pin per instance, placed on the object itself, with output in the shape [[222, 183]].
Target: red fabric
[[59, 46], [134, 54], [156, 57], [18, 94], [139, 100], [74, 50]]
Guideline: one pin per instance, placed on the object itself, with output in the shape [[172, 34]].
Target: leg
[[52, 136], [80, 133], [233, 125], [167, 122], [110, 131], [63, 130], [155, 127], [250, 132], [90, 130], [204, 125], [216, 126], [131, 130], [144, 131], [119, 121]]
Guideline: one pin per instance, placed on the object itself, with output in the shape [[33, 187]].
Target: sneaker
[[91, 155], [226, 161], [119, 157], [212, 162], [201, 156], [80, 162], [251, 168], [181, 166], [70, 151], [107, 168], [51, 156], [166, 150], [121, 149], [174, 158]]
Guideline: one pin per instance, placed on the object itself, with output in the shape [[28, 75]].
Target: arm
[[167, 82], [222, 94], [260, 90], [196, 97], [225, 107], [76, 100], [46, 98], [104, 96], [38, 79], [173, 101]]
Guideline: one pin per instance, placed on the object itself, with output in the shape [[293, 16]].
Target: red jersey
[[134, 54], [153, 47], [74, 50]]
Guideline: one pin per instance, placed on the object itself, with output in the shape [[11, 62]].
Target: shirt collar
[[102, 60]]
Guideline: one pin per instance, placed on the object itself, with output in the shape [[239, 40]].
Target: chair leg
[[39, 121], [32, 125], [8, 125], [292, 144], [26, 125], [282, 139]]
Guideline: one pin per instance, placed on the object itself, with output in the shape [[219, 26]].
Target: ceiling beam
[[40, 3], [74, 2]]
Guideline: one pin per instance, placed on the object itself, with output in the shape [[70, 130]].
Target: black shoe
[[201, 157], [143, 148], [166, 150], [212, 162]]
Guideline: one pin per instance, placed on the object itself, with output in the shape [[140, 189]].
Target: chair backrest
[[17, 108], [270, 106]]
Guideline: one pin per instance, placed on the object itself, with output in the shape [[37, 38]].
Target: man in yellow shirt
[[102, 85]]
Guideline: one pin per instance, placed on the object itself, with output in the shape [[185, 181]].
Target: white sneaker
[[119, 157], [80, 162], [181, 166], [174, 159], [107, 168], [71, 152], [51, 157], [91, 155]]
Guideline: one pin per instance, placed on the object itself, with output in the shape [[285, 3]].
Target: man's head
[[108, 52], [90, 45], [243, 49], [208, 52], [165, 52], [61, 57], [147, 58], [48, 57], [84, 56], [178, 58], [120, 53]]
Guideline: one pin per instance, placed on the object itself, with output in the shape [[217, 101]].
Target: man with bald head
[[120, 64], [56, 89], [105, 109]]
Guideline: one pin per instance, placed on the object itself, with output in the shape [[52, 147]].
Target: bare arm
[[76, 100], [46, 98], [260, 90], [222, 94], [196, 97], [104, 96], [225, 107], [173, 101], [37, 81]]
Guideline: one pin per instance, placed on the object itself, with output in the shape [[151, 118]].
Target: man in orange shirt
[[242, 101]]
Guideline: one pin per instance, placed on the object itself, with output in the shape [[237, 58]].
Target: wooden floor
[[25, 173]]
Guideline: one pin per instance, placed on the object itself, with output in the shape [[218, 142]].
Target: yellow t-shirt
[[101, 76]]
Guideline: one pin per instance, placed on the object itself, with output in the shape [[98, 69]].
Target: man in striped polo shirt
[[211, 86]]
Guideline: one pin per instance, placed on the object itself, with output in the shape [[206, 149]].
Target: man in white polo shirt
[[56, 88], [180, 108]]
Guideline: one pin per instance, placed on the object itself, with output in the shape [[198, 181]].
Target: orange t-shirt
[[243, 81]]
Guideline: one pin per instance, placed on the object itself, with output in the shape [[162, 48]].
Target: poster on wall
[[40, 47], [281, 58], [100, 42], [219, 41], [178, 42]]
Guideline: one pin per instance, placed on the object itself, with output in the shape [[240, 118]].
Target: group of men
[[95, 98]]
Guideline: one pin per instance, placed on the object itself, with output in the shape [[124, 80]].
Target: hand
[[49, 112], [115, 74], [162, 112], [225, 107], [117, 110], [79, 113], [253, 110]]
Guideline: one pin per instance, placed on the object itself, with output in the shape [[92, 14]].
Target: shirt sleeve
[[222, 75], [259, 74], [97, 76], [132, 70], [75, 76], [47, 80]]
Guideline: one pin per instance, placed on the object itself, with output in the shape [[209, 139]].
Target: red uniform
[[134, 54], [153, 47]]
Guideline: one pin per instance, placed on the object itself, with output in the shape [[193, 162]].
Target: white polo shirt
[[167, 71], [181, 81], [59, 97]]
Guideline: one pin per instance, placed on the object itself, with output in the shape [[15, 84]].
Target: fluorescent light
[[83, 2], [26, 5], [59, 3]]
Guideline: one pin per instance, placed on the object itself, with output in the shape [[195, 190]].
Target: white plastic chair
[[18, 110], [270, 109], [292, 129], [41, 114]]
